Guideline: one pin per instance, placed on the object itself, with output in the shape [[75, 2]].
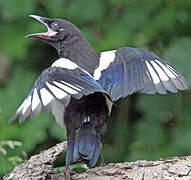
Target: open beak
[[45, 35]]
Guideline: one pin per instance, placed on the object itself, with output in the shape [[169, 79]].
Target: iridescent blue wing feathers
[[132, 70]]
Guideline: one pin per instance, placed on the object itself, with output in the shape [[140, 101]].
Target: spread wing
[[60, 83], [128, 70]]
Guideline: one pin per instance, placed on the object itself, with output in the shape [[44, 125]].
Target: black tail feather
[[85, 121], [84, 146], [96, 152]]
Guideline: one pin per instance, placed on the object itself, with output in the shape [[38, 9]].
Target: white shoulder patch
[[64, 63], [106, 58]]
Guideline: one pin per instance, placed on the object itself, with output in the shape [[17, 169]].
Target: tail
[[84, 145]]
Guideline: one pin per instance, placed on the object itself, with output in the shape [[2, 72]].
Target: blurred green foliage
[[141, 126]]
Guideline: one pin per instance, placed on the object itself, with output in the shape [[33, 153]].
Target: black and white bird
[[80, 87]]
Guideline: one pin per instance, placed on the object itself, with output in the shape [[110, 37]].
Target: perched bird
[[80, 87]]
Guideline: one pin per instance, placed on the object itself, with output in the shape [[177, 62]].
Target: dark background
[[141, 126]]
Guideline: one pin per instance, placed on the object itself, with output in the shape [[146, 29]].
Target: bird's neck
[[78, 50]]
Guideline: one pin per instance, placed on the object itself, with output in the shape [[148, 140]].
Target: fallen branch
[[41, 167]]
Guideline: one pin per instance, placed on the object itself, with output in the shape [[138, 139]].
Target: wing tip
[[12, 118], [186, 86]]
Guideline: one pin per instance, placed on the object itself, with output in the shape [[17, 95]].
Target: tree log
[[40, 167]]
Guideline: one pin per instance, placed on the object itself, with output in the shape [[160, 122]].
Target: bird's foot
[[68, 173], [102, 164]]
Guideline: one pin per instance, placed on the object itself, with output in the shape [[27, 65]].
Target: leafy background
[[141, 126]]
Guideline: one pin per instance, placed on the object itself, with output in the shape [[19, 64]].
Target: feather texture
[[57, 83], [135, 70]]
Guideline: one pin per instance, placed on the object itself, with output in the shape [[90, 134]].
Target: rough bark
[[41, 167]]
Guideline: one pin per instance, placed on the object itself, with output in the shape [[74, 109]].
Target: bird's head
[[58, 30]]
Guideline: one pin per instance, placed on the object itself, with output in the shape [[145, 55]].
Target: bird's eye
[[54, 26]]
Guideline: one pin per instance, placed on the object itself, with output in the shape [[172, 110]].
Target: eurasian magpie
[[80, 87]]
